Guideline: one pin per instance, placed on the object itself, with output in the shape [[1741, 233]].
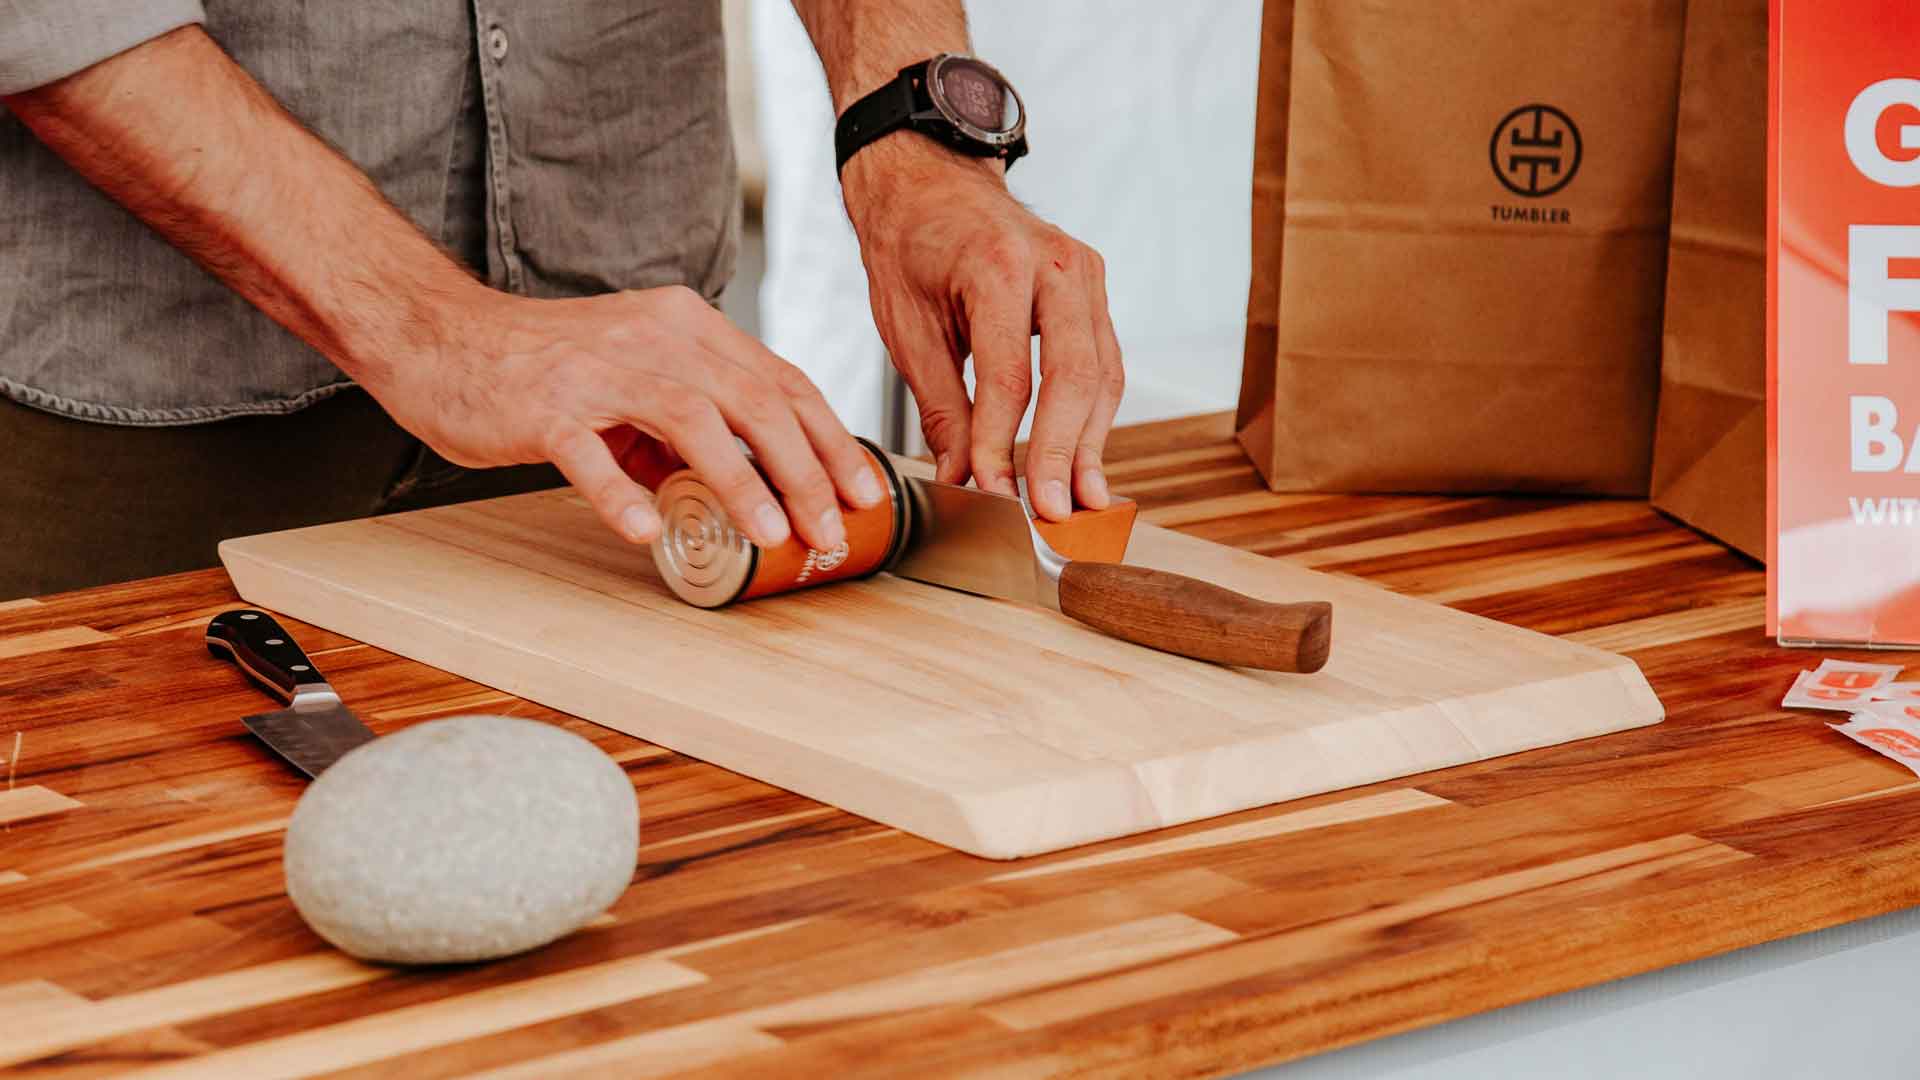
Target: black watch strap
[[881, 113], [906, 103]]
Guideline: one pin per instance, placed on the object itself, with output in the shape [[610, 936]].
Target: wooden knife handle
[[1194, 618]]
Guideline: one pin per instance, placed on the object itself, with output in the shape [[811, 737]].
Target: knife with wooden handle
[[315, 729], [979, 542]]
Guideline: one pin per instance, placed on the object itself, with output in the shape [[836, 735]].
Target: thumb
[[587, 462]]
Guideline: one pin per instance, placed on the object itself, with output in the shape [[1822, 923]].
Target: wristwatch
[[957, 100]]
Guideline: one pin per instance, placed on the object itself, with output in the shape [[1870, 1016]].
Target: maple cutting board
[[994, 728]]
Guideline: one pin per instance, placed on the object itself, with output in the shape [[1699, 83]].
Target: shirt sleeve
[[45, 40]]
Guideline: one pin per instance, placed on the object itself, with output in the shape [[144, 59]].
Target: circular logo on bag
[[1536, 151]]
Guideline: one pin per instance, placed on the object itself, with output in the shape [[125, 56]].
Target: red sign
[[1844, 322]]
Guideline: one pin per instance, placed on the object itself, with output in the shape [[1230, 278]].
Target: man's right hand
[[516, 380], [186, 140]]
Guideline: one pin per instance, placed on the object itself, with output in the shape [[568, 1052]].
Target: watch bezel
[[936, 93]]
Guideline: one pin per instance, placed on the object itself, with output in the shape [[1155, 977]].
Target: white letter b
[[1876, 445]]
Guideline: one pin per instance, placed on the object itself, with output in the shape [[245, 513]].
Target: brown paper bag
[[1269, 206], [1474, 236], [1710, 445]]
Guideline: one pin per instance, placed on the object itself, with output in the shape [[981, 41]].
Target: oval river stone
[[461, 839]]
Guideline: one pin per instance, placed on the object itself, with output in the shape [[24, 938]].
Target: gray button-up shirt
[[562, 148]]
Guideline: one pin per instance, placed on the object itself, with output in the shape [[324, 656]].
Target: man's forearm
[[863, 43], [179, 134]]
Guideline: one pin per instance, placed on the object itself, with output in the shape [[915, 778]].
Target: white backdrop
[[1141, 120]]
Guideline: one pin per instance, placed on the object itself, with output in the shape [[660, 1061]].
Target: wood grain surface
[[143, 927], [1000, 729]]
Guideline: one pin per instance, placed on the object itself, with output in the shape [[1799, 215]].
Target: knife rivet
[[301, 667], [249, 615], [275, 641]]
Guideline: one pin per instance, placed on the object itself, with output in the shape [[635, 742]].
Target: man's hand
[[956, 265], [186, 140], [521, 380]]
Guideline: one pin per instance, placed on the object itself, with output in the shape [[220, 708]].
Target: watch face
[[976, 94]]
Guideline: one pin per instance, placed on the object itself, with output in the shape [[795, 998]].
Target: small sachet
[[1839, 685], [1890, 728]]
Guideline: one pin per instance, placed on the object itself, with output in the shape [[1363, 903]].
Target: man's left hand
[[955, 265]]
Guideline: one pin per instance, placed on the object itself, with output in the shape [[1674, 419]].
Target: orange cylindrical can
[[709, 563]]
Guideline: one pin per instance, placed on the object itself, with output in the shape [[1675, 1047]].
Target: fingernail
[[867, 490], [833, 531], [940, 464], [639, 523], [1057, 500], [771, 524], [1093, 483]]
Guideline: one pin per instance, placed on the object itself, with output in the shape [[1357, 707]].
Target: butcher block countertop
[[143, 925]]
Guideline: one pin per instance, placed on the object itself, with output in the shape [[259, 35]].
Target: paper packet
[[1839, 685], [1889, 728]]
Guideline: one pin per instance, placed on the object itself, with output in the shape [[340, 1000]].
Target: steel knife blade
[[984, 543], [315, 729], [976, 541]]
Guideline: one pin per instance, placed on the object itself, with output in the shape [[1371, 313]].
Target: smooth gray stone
[[461, 839]]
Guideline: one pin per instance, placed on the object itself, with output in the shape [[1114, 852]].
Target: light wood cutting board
[[994, 728]]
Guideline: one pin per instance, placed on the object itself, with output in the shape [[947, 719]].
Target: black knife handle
[[264, 650]]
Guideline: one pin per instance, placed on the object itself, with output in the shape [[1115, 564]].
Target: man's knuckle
[[753, 400], [1012, 382], [1055, 453], [815, 488], [557, 440], [760, 408], [608, 489], [793, 382], [1001, 253], [738, 486], [1064, 251], [683, 410], [941, 427], [1081, 379], [992, 459]]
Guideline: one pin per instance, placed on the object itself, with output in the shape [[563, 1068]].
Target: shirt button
[[497, 43]]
